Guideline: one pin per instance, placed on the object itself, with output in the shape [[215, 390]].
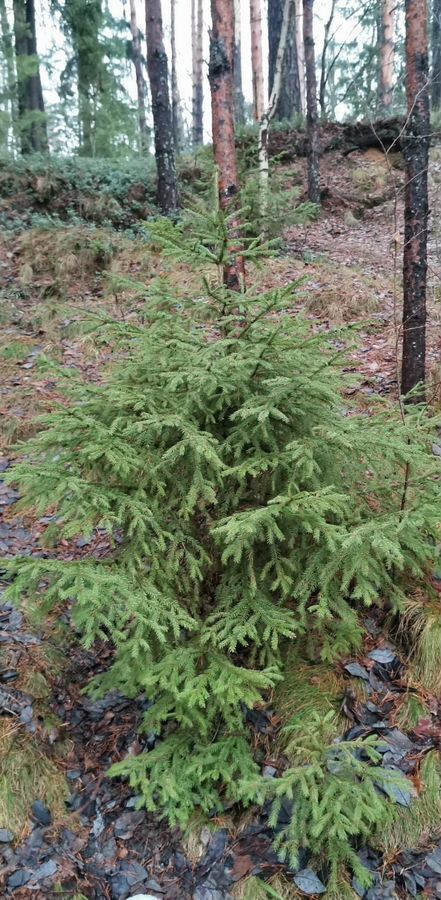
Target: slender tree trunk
[[8, 53], [436, 54], [197, 47], [416, 211], [176, 100], [239, 103], [311, 104], [257, 59], [300, 53], [140, 83], [221, 78], [289, 99], [387, 55], [324, 74], [287, 18], [31, 113], [168, 197]]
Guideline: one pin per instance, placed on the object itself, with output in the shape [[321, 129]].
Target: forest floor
[[65, 829]]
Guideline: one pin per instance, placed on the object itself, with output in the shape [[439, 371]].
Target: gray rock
[[308, 882], [133, 871], [19, 878], [358, 671], [41, 813], [98, 826], [6, 836], [45, 871], [207, 893], [126, 825], [384, 656], [433, 860]]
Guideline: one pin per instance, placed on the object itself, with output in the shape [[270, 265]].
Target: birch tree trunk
[[176, 100], [300, 53], [387, 54], [287, 21], [257, 59], [416, 209], [436, 54], [239, 103], [311, 104], [157, 65], [197, 48], [289, 98], [324, 74], [140, 83], [221, 79]]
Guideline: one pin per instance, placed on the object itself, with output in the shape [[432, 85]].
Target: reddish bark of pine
[[311, 104], [222, 111], [140, 84], [387, 54], [416, 154], [157, 65], [257, 59]]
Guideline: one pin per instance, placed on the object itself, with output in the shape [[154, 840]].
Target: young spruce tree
[[246, 504]]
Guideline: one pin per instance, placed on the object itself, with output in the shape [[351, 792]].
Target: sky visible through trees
[[53, 54]]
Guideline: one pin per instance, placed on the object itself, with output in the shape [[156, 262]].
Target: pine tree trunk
[[257, 59], [289, 96], [416, 154], [436, 54], [157, 65], [311, 104], [387, 55], [287, 19], [221, 79], [140, 83], [300, 45], [31, 113], [197, 19], [8, 53], [239, 102], [176, 100]]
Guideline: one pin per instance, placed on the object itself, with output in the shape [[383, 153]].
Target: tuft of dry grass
[[422, 820], [420, 631], [26, 775]]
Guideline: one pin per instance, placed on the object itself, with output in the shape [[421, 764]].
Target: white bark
[[257, 59], [300, 53], [288, 12]]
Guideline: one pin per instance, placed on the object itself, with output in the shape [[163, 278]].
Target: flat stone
[[126, 825], [308, 882], [41, 813], [6, 836], [19, 878], [433, 860], [45, 871]]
